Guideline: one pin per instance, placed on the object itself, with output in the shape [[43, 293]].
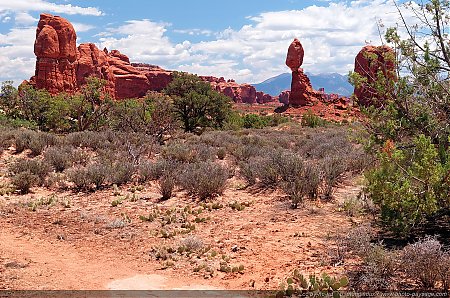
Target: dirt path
[[33, 263], [271, 241]]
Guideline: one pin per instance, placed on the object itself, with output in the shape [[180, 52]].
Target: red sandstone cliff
[[62, 67]]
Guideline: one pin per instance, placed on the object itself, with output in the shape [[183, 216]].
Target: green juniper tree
[[411, 183]]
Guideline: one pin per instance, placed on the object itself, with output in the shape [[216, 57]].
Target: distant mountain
[[332, 82]]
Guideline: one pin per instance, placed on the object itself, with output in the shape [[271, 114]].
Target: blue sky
[[246, 40]]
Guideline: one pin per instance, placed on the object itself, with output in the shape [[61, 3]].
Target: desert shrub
[[6, 138], [320, 144], [23, 181], [357, 160], [288, 164], [35, 141], [267, 173], [85, 178], [248, 171], [426, 261], [303, 182], [80, 178], [378, 264], [133, 146], [91, 139], [409, 185], [378, 269], [296, 191], [204, 179], [187, 153], [245, 151], [121, 172], [192, 244], [60, 158], [221, 153], [358, 240], [149, 171], [332, 167], [37, 167], [313, 179], [312, 120], [166, 184]]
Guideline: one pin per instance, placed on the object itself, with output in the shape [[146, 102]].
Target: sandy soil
[[74, 242]]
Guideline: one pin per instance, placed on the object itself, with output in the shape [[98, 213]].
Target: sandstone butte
[[61, 66], [369, 61]]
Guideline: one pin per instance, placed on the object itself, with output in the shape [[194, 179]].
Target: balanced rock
[[301, 88], [369, 61]]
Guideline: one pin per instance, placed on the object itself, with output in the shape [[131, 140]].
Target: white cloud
[[194, 32], [43, 5], [145, 41], [17, 58], [80, 27], [23, 18]]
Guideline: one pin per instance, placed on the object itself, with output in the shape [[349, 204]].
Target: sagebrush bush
[[60, 158], [37, 167], [187, 153], [249, 171], [35, 141], [426, 261], [121, 172], [204, 179], [166, 185], [150, 171], [23, 181], [378, 269], [93, 176], [221, 153], [332, 167]]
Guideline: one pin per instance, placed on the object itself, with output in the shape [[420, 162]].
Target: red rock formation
[[284, 97], [56, 52], [262, 98], [241, 93], [369, 61], [93, 62], [301, 90], [62, 67], [158, 78]]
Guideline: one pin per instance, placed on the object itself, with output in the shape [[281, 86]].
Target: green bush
[[312, 120], [409, 185], [195, 104]]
